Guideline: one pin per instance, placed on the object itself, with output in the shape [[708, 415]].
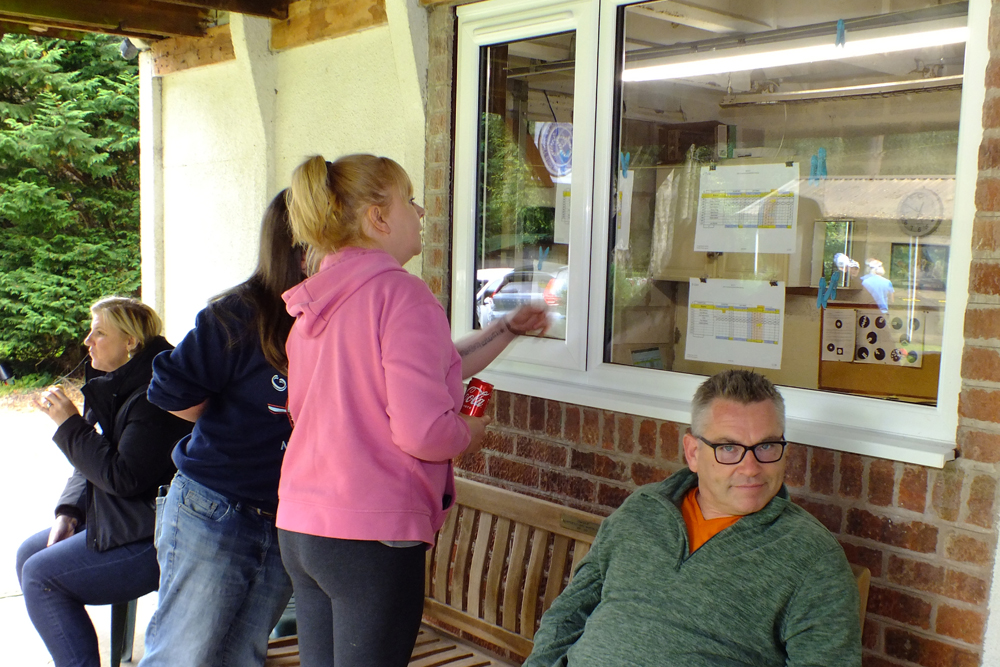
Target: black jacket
[[120, 450]]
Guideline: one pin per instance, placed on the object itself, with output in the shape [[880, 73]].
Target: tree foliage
[[69, 190], [515, 210]]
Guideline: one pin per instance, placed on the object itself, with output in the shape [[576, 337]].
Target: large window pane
[[524, 178], [784, 193]]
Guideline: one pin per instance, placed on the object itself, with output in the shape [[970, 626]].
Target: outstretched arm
[[480, 348]]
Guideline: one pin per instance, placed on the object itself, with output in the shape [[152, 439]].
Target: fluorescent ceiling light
[[856, 46], [953, 82]]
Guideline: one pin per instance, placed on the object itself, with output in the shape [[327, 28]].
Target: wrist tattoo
[[488, 338]]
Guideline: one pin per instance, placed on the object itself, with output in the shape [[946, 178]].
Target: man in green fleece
[[714, 566]]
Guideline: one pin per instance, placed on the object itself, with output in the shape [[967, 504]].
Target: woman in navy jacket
[[222, 584]]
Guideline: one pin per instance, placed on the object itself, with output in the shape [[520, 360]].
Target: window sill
[[584, 389]]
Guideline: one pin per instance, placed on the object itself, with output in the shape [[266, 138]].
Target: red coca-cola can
[[477, 395]]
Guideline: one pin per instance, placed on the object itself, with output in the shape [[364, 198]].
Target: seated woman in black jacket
[[100, 548]]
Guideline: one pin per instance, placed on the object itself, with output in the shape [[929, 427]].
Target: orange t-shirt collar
[[700, 529]]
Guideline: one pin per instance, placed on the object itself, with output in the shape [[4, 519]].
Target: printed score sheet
[[738, 322], [838, 334], [747, 208]]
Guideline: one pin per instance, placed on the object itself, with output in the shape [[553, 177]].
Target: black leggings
[[357, 603]]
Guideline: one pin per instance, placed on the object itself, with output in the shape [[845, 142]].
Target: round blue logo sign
[[555, 143]]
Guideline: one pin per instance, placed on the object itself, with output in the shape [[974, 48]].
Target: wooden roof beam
[[40, 31], [81, 28], [272, 9], [118, 17]]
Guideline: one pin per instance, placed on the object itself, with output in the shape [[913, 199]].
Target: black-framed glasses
[[731, 453]]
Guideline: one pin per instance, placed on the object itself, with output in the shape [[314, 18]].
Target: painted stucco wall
[[211, 200], [345, 96], [233, 132]]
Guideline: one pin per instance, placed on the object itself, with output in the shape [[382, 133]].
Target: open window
[[524, 171], [782, 186]]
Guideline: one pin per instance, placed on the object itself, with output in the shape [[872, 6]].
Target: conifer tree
[[69, 190]]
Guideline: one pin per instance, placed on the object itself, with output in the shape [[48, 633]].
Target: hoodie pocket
[[449, 490]]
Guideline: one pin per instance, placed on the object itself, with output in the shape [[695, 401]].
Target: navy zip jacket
[[238, 442]]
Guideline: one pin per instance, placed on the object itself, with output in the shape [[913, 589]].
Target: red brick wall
[[927, 535]]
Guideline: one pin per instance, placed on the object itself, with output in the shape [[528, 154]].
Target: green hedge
[[69, 191]]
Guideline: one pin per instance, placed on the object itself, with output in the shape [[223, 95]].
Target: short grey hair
[[740, 386]]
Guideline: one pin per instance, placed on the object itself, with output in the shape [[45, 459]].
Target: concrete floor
[[31, 480]]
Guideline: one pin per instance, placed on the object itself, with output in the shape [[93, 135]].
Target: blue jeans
[[58, 581], [222, 584]]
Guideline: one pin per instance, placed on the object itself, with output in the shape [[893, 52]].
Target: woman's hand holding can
[[477, 429]]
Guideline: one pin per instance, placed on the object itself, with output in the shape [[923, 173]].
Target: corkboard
[[883, 380]]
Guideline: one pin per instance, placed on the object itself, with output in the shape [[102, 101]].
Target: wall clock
[[920, 212]]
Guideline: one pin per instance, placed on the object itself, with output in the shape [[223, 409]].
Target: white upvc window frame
[[486, 24], [873, 427]]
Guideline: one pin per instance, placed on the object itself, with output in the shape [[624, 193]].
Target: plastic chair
[[122, 631]]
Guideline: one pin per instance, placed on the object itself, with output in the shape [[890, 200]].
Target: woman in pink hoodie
[[375, 386]]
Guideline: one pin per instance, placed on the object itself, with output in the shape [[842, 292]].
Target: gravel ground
[[31, 480], [22, 400]]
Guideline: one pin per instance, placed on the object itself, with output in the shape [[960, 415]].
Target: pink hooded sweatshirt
[[374, 389]]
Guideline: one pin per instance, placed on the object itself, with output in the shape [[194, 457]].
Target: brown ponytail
[[279, 268]]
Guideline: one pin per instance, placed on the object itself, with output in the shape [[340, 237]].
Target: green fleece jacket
[[773, 589]]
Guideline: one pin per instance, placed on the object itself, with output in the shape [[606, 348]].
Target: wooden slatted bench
[[499, 562]]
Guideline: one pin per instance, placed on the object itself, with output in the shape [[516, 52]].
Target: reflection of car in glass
[[484, 302], [515, 288], [486, 276], [555, 297]]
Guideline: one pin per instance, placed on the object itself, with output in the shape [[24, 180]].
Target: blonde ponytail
[[327, 201], [310, 204]]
